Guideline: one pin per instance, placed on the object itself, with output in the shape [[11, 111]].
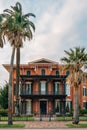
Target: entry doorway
[[43, 107]]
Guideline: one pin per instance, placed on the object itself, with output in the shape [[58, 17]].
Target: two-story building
[[44, 88]]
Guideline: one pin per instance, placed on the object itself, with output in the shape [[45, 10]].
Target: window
[[57, 107], [28, 73], [43, 87], [57, 88], [28, 88], [85, 105], [15, 108], [84, 91], [68, 106], [57, 73], [43, 72], [67, 89]]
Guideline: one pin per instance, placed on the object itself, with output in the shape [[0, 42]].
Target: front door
[[43, 107]]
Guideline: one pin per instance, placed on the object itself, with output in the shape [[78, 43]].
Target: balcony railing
[[43, 93]]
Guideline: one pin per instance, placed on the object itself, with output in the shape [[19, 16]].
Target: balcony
[[43, 77], [43, 94]]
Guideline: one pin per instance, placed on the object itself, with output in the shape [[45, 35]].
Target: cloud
[[57, 29]]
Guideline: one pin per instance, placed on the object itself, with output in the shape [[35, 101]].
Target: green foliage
[[83, 111], [77, 126], [3, 112], [4, 97], [12, 126]]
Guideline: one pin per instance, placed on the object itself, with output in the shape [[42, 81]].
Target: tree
[[17, 28], [1, 33], [75, 58], [4, 97]]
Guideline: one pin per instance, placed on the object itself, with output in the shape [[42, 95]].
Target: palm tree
[[17, 28], [74, 60], [1, 33]]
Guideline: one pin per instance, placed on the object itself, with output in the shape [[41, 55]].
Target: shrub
[[3, 112], [83, 111]]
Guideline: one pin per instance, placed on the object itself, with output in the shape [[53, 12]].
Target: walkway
[[45, 124]]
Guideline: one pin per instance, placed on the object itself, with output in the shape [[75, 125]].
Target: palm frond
[[28, 15]]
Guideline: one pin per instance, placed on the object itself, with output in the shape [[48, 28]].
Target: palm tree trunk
[[10, 89], [17, 78], [76, 107]]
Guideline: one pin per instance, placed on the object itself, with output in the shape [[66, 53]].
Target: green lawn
[[12, 126], [77, 126]]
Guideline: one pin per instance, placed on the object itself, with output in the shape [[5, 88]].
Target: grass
[[77, 125], [12, 126]]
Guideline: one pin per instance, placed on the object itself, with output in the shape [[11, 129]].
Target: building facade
[[45, 88]]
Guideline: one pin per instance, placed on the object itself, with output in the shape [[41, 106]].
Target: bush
[[3, 112], [83, 111]]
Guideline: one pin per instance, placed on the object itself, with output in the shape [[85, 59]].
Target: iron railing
[[43, 93]]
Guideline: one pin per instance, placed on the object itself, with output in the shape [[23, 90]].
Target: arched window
[[43, 72], [28, 73], [57, 73]]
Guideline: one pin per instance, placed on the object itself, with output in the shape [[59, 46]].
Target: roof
[[43, 61], [39, 61]]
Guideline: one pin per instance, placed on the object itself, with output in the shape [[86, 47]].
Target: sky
[[60, 25]]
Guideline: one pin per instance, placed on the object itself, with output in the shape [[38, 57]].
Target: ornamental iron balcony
[[42, 93]]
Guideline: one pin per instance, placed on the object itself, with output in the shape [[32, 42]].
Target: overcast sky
[[60, 25]]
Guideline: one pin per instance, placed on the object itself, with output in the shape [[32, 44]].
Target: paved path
[[45, 124]]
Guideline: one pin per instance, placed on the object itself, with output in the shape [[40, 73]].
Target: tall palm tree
[[17, 28], [74, 60], [1, 33], [2, 40]]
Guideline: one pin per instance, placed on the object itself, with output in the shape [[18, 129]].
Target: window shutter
[[46, 87], [39, 88], [61, 107]]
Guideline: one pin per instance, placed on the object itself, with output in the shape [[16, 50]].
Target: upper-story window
[[28, 88], [84, 91], [67, 89], [57, 88], [43, 71], [43, 87], [28, 73], [57, 73]]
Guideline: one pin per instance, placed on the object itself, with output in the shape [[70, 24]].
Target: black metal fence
[[41, 118]]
